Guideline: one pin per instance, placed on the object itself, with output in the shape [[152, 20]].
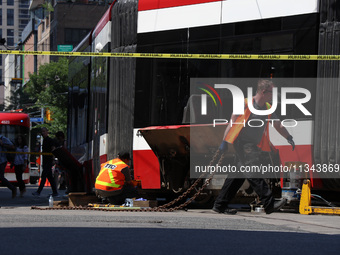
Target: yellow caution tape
[[174, 56]]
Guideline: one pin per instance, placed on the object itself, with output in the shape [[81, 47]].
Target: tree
[[49, 90], [19, 100]]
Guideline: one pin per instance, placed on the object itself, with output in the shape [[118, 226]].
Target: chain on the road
[[162, 208]]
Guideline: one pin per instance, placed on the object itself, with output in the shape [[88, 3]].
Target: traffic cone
[[38, 161], [47, 183]]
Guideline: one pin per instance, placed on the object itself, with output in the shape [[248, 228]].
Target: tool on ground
[[306, 202]]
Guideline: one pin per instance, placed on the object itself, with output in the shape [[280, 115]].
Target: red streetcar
[[13, 124]]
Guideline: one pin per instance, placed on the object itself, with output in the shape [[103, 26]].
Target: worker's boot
[[277, 205], [226, 211]]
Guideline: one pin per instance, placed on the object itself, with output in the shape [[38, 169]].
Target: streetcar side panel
[[13, 124]]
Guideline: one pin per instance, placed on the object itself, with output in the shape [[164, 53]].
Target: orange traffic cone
[[47, 183]]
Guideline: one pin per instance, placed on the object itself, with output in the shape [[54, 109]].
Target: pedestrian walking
[[20, 162], [6, 144], [64, 172], [47, 147]]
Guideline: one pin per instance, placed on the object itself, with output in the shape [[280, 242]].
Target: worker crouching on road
[[114, 181]]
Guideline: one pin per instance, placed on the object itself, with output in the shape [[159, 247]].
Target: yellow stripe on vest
[[113, 185]]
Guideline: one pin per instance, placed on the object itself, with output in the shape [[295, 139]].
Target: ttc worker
[[114, 181]]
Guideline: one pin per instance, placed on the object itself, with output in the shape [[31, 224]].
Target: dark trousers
[[232, 185], [47, 173], [247, 154], [4, 181], [19, 170], [118, 197]]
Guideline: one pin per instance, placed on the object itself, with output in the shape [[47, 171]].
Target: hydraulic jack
[[306, 202]]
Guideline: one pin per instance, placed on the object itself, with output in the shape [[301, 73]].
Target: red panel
[[102, 22], [103, 158], [145, 5], [164, 127], [302, 153], [9, 169], [11, 118], [146, 169]]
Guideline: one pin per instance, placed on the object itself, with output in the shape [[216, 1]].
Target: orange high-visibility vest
[[265, 144], [110, 176]]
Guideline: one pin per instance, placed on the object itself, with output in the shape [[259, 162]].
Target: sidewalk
[[28, 199]]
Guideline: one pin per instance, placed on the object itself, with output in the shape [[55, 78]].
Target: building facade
[[47, 25], [14, 16]]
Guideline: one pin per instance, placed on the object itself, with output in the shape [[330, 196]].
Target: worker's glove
[[224, 146], [291, 142]]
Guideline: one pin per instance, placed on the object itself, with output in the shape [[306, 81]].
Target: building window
[[10, 2], [10, 37], [10, 32], [75, 35], [24, 14], [10, 17], [10, 41], [0, 17]]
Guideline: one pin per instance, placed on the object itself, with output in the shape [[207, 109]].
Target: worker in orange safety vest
[[114, 182], [249, 142]]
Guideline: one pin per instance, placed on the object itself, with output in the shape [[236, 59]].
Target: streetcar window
[[11, 131], [98, 92], [79, 70]]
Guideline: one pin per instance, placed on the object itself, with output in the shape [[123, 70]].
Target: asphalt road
[[27, 231]]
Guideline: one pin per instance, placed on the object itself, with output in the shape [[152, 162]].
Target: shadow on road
[[162, 241], [28, 199]]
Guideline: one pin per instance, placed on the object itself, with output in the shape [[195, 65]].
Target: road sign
[[65, 47], [37, 119]]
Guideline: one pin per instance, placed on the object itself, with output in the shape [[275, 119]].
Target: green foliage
[[49, 90], [48, 7], [19, 100]]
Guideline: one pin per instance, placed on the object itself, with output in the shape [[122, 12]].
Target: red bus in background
[[13, 124]]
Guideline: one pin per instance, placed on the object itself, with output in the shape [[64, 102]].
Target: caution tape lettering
[[175, 56]]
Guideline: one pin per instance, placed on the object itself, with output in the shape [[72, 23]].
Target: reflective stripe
[[113, 185]]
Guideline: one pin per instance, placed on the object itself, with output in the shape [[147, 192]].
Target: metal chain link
[[162, 208], [186, 193], [206, 183]]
